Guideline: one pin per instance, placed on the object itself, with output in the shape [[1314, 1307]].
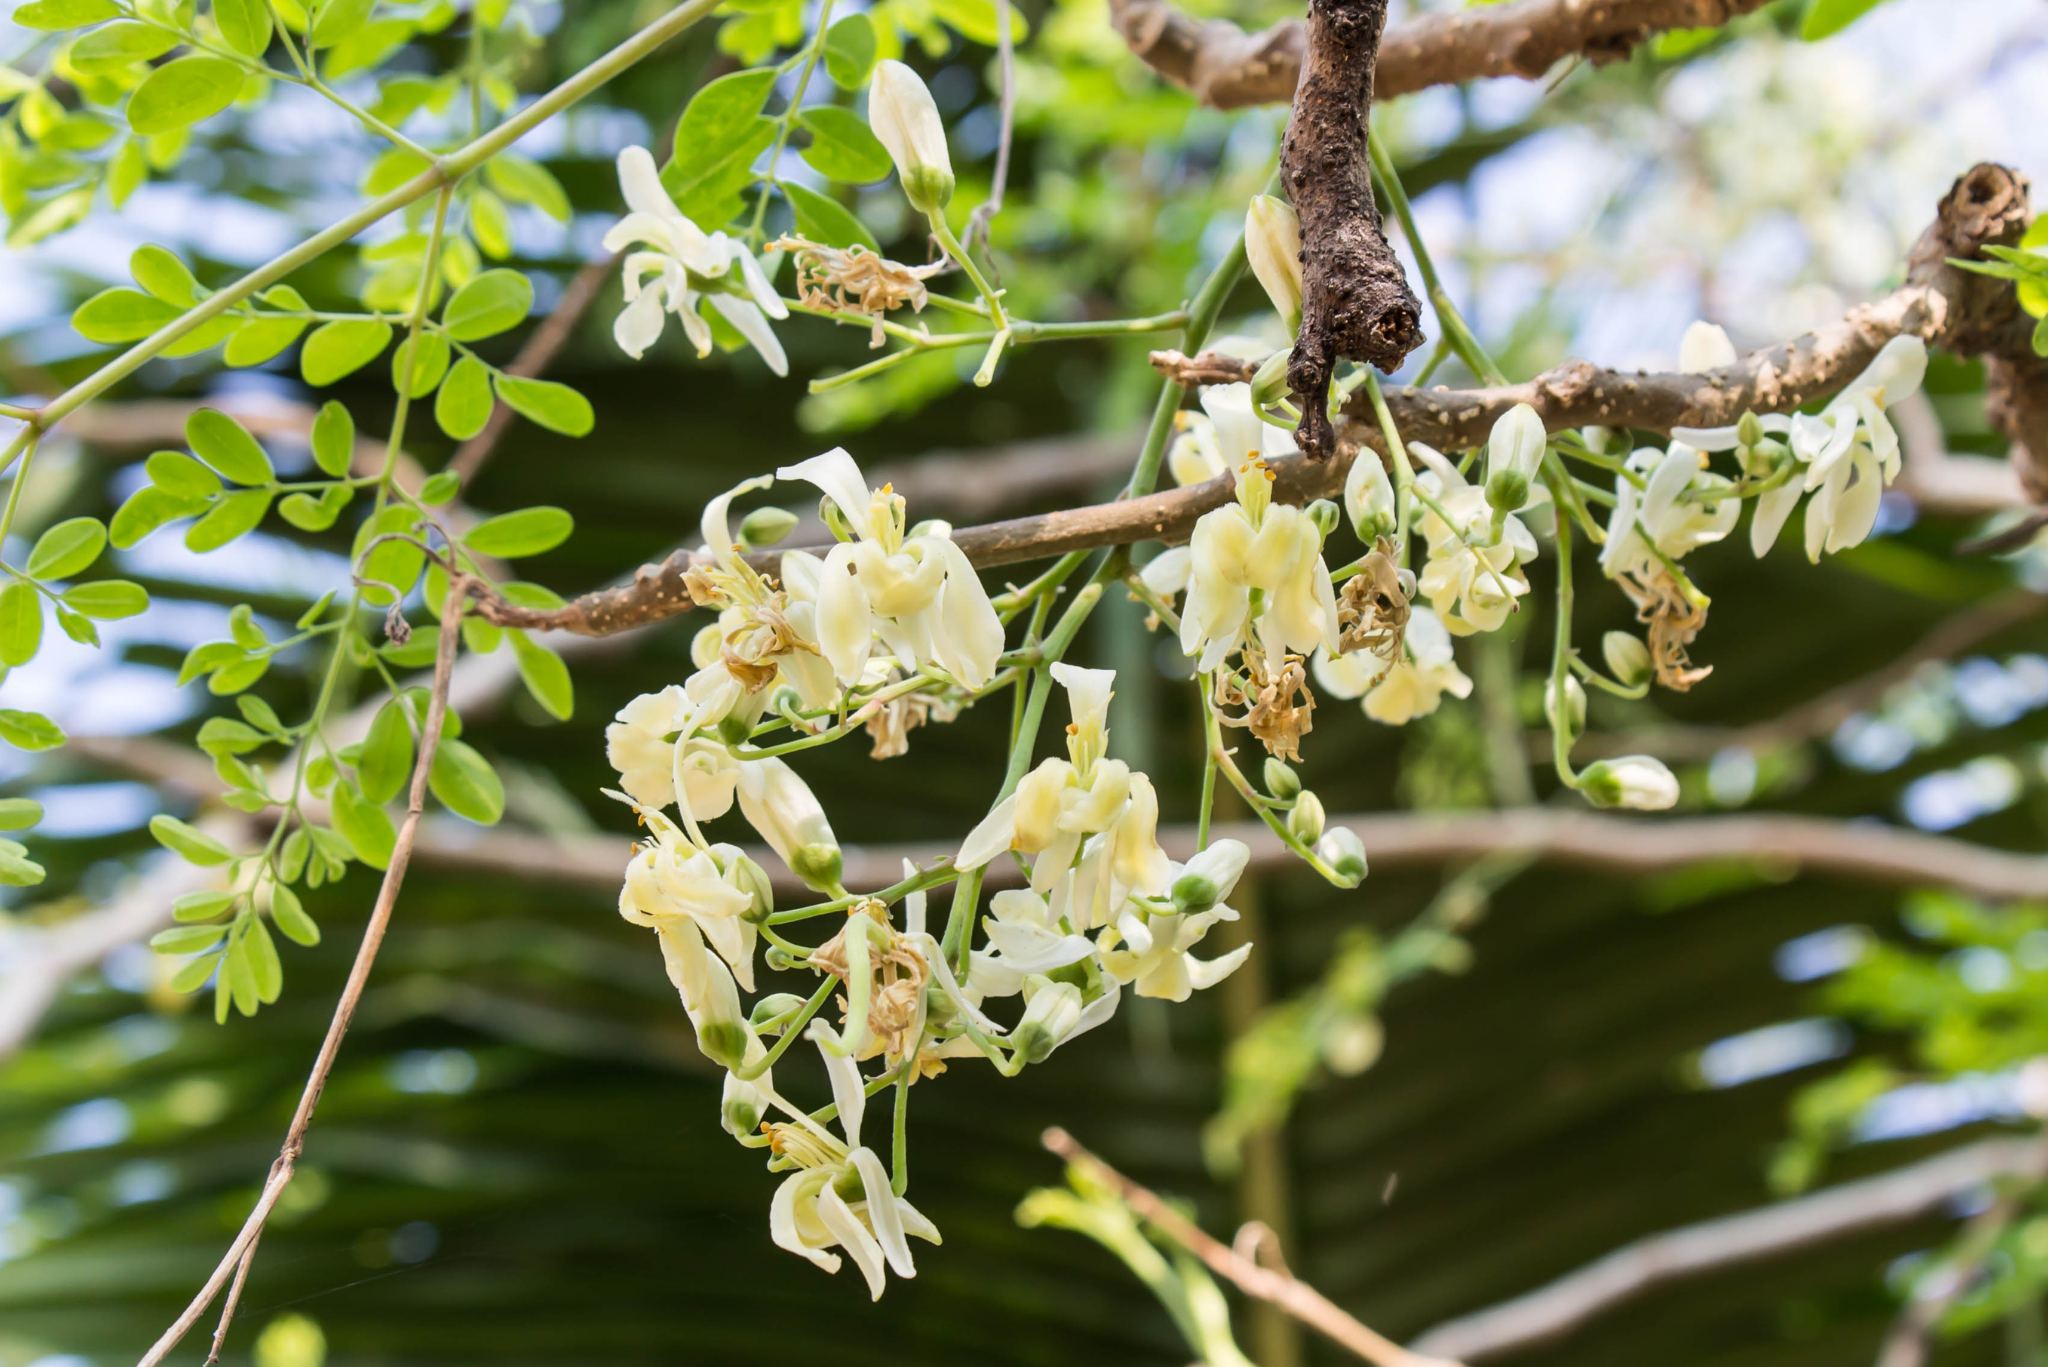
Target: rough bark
[[1954, 309], [1227, 68], [1356, 304]]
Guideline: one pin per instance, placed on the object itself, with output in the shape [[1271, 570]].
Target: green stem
[[444, 172], [812, 52]]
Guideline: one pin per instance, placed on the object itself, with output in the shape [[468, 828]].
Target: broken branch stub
[[1356, 304]]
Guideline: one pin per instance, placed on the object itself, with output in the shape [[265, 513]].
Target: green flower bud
[[773, 1005], [1281, 780], [734, 728], [1344, 852], [818, 865], [767, 526], [1324, 514], [1639, 782], [724, 1042], [1628, 659], [1507, 490], [1305, 822], [1269, 382]]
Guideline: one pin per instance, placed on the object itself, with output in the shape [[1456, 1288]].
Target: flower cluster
[[892, 615]]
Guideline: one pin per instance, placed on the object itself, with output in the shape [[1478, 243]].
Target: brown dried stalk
[[1356, 304]]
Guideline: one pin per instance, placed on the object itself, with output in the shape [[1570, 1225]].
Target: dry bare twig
[[1271, 1284], [235, 1262]]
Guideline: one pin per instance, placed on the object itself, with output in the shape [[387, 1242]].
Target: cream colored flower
[[1396, 694], [681, 267], [1272, 244], [839, 1197], [918, 594], [1472, 579], [907, 123], [1253, 546]]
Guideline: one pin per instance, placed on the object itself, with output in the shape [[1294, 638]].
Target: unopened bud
[[1628, 659], [1369, 498], [1515, 446], [1324, 514], [1281, 780], [774, 1006], [724, 1042], [819, 866], [1269, 382], [1749, 429], [1344, 852], [1641, 782], [1211, 875], [901, 112], [767, 526], [1575, 706], [782, 808], [742, 1106], [1305, 822], [1272, 244], [1050, 1015], [750, 878]]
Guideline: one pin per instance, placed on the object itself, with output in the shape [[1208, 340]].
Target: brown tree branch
[[1963, 312], [234, 1263], [1227, 68], [1905, 1193], [1355, 300], [1271, 1284]]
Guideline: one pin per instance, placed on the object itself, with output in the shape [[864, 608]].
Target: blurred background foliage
[[1442, 1090]]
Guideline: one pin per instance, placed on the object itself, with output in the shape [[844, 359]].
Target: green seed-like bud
[[773, 1005], [767, 526], [1344, 852], [734, 728], [1269, 383], [1749, 429], [1193, 892], [1628, 659], [1281, 780], [928, 188], [1305, 822], [1324, 514], [751, 878]]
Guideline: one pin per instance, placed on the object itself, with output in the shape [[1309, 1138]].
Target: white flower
[[1226, 432], [1471, 579], [1628, 659], [1252, 544], [1272, 244], [1086, 806], [1344, 852], [1677, 524], [918, 593], [1148, 945], [781, 807], [1410, 687], [1369, 498], [811, 1217], [1849, 451], [1514, 452], [1705, 346], [638, 745], [687, 266], [1024, 937], [901, 112], [1637, 781]]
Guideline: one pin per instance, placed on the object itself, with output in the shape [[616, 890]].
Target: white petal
[[747, 320], [639, 324], [994, 834], [640, 182], [853, 1236], [838, 478], [882, 1212]]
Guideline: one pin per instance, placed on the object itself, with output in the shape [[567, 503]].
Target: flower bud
[[1640, 782], [1324, 515], [1369, 499], [781, 807], [748, 877], [1272, 244], [1628, 659], [1305, 822], [1051, 1012], [1575, 706], [1281, 780], [1514, 451], [706, 645], [1749, 429], [1211, 875], [1269, 382], [1344, 852], [773, 1005], [901, 112], [766, 526]]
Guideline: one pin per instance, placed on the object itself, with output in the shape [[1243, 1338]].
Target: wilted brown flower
[[855, 280], [1278, 706], [1372, 609], [1673, 620], [898, 974]]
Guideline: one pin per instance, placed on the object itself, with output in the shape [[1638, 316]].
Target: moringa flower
[[918, 593], [1636, 781], [1472, 579], [688, 267], [840, 1197], [784, 812], [1412, 686], [1256, 573], [1849, 452]]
